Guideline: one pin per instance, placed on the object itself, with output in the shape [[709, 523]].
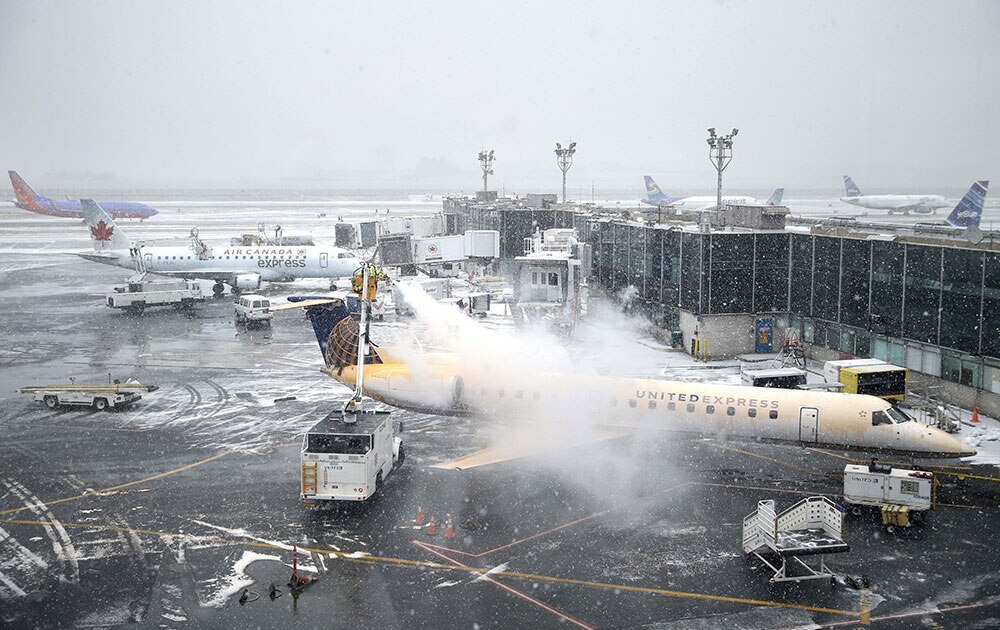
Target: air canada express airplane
[[440, 384], [242, 268]]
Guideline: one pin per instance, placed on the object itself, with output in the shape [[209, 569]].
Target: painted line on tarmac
[[424, 564], [769, 459], [93, 493], [558, 527], [487, 577]]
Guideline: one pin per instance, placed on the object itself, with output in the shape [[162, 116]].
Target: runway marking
[[424, 564], [766, 458], [558, 527], [938, 610], [485, 576], [91, 493]]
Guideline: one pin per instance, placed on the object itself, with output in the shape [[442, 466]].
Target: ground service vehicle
[[134, 297], [349, 461], [252, 308], [100, 396]]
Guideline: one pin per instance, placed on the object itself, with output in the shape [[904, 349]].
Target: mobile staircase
[[812, 527]]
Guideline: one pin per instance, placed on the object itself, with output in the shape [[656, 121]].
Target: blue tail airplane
[[969, 210], [28, 199]]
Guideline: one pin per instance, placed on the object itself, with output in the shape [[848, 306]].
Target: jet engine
[[247, 282]]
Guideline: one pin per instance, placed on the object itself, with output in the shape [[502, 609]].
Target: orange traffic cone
[[975, 414], [432, 526], [420, 516], [449, 529]]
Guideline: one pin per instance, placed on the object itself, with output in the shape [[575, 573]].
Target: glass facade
[[932, 308]]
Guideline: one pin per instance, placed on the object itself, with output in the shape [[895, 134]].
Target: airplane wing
[[303, 304], [537, 444]]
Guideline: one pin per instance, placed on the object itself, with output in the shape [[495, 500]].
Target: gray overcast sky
[[902, 95]]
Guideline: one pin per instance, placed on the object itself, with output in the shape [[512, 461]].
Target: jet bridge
[[812, 527]]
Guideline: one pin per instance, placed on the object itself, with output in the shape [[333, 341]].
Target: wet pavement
[[161, 515]]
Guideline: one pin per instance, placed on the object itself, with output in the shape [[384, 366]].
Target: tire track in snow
[[62, 544]]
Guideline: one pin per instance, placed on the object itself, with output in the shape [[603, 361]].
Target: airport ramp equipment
[[812, 527]]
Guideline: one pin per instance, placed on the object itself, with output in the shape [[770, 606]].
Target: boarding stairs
[[812, 527], [135, 252]]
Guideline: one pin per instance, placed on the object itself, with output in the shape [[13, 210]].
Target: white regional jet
[[442, 383], [242, 268], [923, 204]]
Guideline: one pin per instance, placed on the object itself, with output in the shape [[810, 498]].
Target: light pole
[[564, 158], [486, 163], [720, 154]]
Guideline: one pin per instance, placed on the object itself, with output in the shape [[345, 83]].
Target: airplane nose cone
[[942, 442]]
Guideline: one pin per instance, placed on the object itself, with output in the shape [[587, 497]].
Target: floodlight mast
[[564, 159], [720, 154], [486, 163]]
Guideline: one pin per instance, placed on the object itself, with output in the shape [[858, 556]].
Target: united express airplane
[[438, 383], [242, 268], [28, 199]]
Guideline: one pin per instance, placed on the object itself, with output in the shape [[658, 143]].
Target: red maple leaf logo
[[102, 231]]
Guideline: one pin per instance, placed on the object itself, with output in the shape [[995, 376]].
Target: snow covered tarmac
[[163, 513]]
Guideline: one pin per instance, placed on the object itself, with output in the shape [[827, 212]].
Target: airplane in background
[[441, 383], [922, 204], [241, 267], [969, 210], [656, 197], [28, 199]]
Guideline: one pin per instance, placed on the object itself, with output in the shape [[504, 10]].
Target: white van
[[252, 308]]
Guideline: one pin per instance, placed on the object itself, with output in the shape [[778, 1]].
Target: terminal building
[[923, 298]]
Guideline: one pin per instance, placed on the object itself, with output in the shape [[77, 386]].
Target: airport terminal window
[[961, 299], [690, 408], [710, 409], [770, 284], [730, 411], [773, 414], [339, 444], [826, 281], [801, 297], [534, 277], [752, 412], [731, 266], [854, 282], [923, 293], [991, 306], [887, 284]]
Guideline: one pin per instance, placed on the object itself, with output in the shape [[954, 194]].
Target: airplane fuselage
[[898, 203], [271, 263], [73, 209], [776, 415]]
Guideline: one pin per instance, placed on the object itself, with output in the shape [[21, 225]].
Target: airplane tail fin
[[26, 197], [336, 331], [969, 210], [850, 187], [653, 192], [104, 234], [775, 198]]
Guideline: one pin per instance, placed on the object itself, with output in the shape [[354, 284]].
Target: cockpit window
[[879, 417], [897, 416]]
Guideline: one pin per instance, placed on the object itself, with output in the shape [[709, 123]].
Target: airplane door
[[808, 424], [149, 260], [324, 260]]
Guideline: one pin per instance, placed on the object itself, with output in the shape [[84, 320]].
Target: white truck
[[100, 396], [134, 297], [899, 493], [348, 461]]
